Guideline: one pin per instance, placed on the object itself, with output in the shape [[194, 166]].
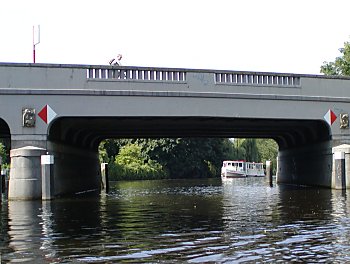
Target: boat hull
[[233, 174]]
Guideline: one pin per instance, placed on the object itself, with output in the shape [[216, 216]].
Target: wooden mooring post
[[269, 172]]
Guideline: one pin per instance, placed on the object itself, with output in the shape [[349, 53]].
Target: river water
[[181, 221]]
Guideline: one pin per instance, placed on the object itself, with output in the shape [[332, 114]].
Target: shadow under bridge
[[88, 132]]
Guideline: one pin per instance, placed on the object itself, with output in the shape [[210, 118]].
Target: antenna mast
[[35, 41]]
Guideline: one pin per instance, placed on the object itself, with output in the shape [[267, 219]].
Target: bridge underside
[[89, 131]]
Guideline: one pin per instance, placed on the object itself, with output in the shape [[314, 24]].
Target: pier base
[[25, 173]]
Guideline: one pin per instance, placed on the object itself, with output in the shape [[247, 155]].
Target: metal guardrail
[[162, 75], [257, 79]]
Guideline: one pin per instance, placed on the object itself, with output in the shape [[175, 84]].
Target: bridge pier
[[308, 165], [76, 170], [318, 165], [25, 173]]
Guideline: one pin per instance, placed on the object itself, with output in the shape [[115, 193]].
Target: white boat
[[241, 168], [233, 169], [255, 169]]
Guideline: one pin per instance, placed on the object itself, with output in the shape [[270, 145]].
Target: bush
[[130, 164]]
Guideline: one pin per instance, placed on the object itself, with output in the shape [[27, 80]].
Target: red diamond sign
[[47, 114], [330, 117]]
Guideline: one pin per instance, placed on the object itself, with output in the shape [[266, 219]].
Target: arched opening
[[77, 138]]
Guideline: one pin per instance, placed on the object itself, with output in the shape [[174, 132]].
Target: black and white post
[[339, 162], [47, 177]]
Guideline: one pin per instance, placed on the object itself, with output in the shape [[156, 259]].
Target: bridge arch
[[74, 142]]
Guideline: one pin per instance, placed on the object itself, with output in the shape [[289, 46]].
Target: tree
[[102, 152], [268, 150], [3, 152], [251, 152], [188, 157], [341, 65], [131, 164], [178, 157]]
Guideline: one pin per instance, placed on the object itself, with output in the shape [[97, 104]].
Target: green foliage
[[268, 150], [341, 65], [251, 152], [230, 150], [102, 151], [189, 157], [112, 146], [2, 152], [5, 153], [109, 148], [179, 157], [131, 164], [244, 149]]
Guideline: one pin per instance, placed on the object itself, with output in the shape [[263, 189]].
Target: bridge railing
[[142, 74], [179, 75], [256, 79]]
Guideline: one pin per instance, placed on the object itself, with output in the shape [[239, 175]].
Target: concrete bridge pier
[[307, 165], [317, 165], [76, 170], [25, 173]]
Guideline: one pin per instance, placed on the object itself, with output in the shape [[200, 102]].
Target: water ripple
[[204, 221]]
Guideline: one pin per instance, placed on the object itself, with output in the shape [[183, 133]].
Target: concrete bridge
[[66, 110]]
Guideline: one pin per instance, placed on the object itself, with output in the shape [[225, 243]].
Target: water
[[181, 221]]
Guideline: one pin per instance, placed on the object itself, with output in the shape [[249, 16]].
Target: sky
[[289, 36]]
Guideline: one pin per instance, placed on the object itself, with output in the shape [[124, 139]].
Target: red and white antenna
[[36, 40]]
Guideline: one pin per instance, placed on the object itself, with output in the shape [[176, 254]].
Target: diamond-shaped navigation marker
[[330, 117], [47, 114]]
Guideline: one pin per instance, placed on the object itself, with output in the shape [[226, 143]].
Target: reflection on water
[[191, 221]]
